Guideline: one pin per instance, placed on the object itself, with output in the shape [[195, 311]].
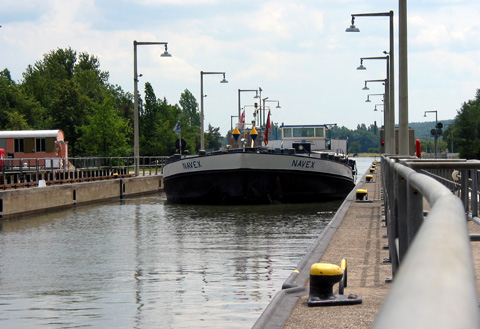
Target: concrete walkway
[[357, 234], [360, 240]]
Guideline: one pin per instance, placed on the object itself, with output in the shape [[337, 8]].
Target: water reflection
[[144, 264]]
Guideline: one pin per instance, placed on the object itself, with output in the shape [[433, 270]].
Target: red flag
[[242, 118], [267, 129]]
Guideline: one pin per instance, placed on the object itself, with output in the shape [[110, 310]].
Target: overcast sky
[[296, 51]]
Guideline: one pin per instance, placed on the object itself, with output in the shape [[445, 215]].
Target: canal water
[[144, 264]]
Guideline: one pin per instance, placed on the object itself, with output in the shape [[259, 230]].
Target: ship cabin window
[[40, 145], [19, 145], [303, 132], [287, 132], [320, 132]]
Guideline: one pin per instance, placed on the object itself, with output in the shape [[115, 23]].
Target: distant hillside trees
[[363, 140]]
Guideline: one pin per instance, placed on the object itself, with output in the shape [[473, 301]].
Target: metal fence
[[26, 172], [434, 282]]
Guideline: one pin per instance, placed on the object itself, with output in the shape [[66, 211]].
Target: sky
[[297, 52]]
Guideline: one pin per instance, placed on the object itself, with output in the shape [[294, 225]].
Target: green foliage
[[189, 106], [16, 121], [67, 88], [364, 139], [106, 133], [355, 147], [466, 129], [69, 91], [14, 103], [213, 138]]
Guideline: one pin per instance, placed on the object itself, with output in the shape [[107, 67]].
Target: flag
[[242, 118], [241, 121], [177, 127], [267, 129]]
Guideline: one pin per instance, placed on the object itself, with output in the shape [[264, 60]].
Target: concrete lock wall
[[27, 201]]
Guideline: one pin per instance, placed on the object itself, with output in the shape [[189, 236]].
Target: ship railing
[[432, 266]]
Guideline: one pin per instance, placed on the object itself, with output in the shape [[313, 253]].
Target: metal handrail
[[18, 164], [18, 171], [434, 283]]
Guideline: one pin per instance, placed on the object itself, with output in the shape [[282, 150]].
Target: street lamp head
[[365, 88], [278, 106], [352, 27], [368, 99], [361, 67], [224, 80], [166, 53]]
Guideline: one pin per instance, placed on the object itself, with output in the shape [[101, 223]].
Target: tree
[[213, 138], [106, 134], [156, 120], [69, 111], [189, 106], [67, 87], [148, 121], [467, 129], [16, 105], [355, 147], [16, 121]]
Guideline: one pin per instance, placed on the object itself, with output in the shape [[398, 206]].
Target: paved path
[[360, 239]]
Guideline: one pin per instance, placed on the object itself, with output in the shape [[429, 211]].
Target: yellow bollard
[[362, 194], [323, 277]]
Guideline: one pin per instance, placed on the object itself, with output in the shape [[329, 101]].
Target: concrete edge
[[118, 195], [281, 306]]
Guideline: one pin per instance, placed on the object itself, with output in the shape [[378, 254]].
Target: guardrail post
[[474, 194], [37, 170], [414, 211], [464, 188], [402, 218], [390, 219]]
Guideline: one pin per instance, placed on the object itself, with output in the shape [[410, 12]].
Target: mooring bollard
[[323, 277], [368, 178], [362, 194]]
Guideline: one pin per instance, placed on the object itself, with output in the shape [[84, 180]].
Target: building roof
[[29, 133]]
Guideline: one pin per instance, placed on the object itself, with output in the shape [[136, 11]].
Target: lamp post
[[368, 97], [382, 119], [390, 112], [271, 100], [403, 78], [389, 116], [202, 119], [367, 81], [436, 125], [268, 100], [136, 148], [245, 90]]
